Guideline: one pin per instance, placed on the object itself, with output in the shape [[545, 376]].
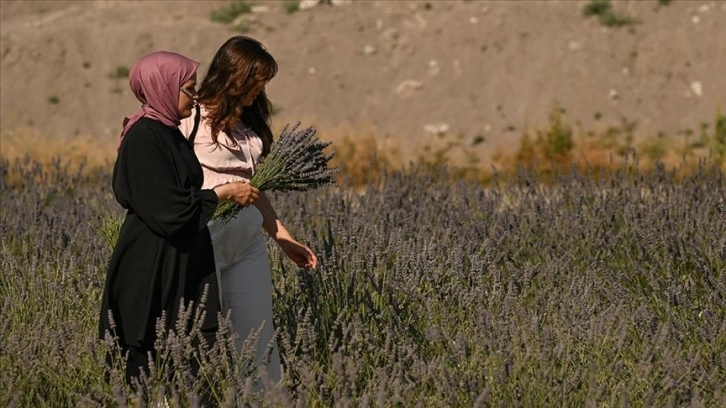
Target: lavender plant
[[592, 289], [296, 162]]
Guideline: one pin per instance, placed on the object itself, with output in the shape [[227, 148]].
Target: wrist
[[222, 192], [283, 238]]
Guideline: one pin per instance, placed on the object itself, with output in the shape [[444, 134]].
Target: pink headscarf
[[155, 80]]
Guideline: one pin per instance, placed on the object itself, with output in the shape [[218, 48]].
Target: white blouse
[[232, 158]]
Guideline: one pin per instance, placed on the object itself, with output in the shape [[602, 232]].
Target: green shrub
[[478, 139], [121, 71], [655, 149], [596, 8], [291, 6], [613, 19], [554, 143], [229, 13], [606, 15], [719, 137], [558, 138]]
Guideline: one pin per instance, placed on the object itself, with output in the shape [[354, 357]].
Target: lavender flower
[[296, 162]]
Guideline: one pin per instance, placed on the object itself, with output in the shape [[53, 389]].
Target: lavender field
[[603, 289]]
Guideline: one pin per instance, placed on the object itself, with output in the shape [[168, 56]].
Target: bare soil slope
[[402, 70]]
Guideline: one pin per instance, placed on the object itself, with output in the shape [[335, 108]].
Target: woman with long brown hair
[[232, 134]]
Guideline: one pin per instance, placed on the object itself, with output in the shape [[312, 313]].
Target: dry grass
[[361, 154], [26, 142], [355, 146], [558, 145]]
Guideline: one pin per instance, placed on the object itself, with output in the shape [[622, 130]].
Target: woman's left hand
[[299, 253]]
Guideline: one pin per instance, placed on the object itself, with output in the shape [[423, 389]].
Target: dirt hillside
[[413, 73]]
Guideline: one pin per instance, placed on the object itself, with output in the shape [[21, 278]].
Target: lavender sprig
[[296, 162]]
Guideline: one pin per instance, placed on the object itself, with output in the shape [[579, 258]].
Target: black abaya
[[164, 251]]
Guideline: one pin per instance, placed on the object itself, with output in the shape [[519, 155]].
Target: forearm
[[271, 223]]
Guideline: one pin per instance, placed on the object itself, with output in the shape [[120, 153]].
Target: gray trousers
[[245, 279]]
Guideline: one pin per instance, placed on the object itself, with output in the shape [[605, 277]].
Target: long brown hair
[[240, 64]]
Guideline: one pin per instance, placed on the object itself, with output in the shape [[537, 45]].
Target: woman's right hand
[[241, 192]]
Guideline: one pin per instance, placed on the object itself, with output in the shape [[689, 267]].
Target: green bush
[[558, 138], [229, 13], [596, 8], [606, 15], [554, 143], [121, 71], [719, 137], [291, 6]]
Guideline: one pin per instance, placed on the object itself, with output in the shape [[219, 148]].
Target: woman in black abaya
[[163, 258]]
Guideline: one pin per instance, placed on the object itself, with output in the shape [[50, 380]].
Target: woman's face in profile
[[187, 96]]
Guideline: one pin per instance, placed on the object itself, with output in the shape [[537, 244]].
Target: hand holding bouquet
[[296, 162]]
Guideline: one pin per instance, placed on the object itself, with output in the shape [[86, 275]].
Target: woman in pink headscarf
[[163, 258]]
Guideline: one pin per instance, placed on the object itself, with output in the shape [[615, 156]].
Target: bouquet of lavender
[[296, 162]]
